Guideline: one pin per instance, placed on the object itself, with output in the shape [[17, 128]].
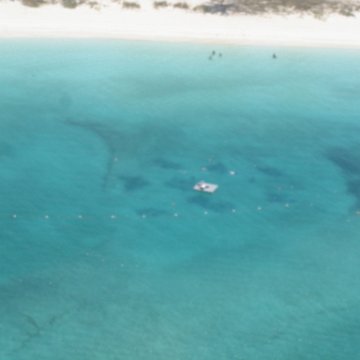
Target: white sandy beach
[[54, 21]]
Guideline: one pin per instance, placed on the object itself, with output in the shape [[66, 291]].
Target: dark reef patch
[[353, 188], [133, 183], [110, 138], [348, 160], [132, 143], [108, 135], [270, 171], [167, 164], [204, 201]]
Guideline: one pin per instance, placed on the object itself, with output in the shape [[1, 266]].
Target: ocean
[[107, 252]]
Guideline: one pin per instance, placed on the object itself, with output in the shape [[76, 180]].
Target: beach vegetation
[[200, 8], [94, 5], [316, 8], [33, 3], [217, 7], [130, 5], [348, 10], [181, 5], [70, 4], [160, 4]]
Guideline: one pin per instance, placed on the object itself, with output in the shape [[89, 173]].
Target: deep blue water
[[107, 253]]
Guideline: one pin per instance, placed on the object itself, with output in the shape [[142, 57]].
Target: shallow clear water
[[106, 252]]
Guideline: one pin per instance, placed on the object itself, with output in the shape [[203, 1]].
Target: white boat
[[203, 186]]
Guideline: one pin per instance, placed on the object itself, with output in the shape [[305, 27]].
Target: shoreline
[[172, 25]]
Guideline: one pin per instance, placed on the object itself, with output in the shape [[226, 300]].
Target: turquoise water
[[107, 253]]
